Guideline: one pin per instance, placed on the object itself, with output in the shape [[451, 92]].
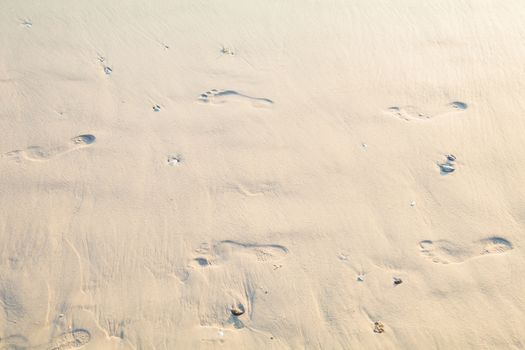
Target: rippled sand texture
[[199, 174]]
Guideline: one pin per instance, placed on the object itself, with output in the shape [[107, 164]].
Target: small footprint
[[409, 113], [174, 160], [222, 96], [27, 23], [107, 69], [445, 252], [227, 50], [70, 340], [37, 153]]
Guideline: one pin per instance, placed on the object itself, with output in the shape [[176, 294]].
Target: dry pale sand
[[164, 163]]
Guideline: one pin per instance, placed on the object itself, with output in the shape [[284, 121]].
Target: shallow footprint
[[409, 113], [70, 340], [221, 96], [255, 189], [263, 252], [37, 153], [445, 252]]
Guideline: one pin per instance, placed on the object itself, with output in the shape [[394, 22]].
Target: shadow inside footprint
[[446, 168], [38, 153], [235, 93], [449, 166], [459, 105], [495, 244], [255, 245], [86, 139], [202, 262]]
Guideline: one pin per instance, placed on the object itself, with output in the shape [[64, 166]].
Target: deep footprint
[[37, 153], [459, 105], [202, 262], [447, 252], [221, 96], [71, 340], [87, 139]]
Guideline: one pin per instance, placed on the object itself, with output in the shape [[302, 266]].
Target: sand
[[166, 162]]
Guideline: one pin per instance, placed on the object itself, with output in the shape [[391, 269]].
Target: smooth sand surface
[[166, 162]]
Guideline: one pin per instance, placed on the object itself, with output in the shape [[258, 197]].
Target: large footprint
[[409, 113], [221, 96], [446, 252], [223, 250], [37, 153]]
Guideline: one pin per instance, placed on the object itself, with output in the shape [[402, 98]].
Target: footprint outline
[[449, 252], [215, 96], [41, 154]]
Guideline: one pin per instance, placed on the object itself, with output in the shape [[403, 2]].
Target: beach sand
[[269, 174]]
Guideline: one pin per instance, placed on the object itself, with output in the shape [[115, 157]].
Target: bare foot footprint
[[446, 252], [37, 153], [222, 96], [262, 252], [256, 189], [70, 340], [409, 113], [224, 250]]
